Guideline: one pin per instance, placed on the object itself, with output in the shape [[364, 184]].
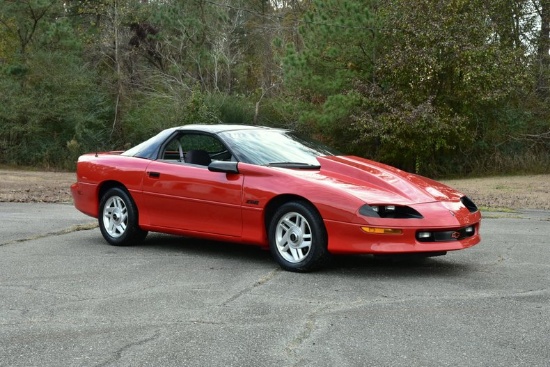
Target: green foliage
[[340, 40], [411, 83], [47, 108], [147, 115], [447, 50], [436, 87], [197, 111], [441, 69], [49, 97], [453, 55], [233, 109]]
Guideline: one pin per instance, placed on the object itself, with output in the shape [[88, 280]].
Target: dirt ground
[[514, 192], [36, 186], [508, 192]]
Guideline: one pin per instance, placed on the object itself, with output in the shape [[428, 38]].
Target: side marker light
[[376, 230]]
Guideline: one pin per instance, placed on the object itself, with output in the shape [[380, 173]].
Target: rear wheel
[[118, 218], [298, 238]]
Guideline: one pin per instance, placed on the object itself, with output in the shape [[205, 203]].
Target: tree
[[48, 95], [338, 48], [444, 68], [543, 48]]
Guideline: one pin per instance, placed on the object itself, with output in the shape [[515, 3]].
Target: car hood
[[377, 183]]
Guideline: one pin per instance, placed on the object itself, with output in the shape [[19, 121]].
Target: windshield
[[274, 147]]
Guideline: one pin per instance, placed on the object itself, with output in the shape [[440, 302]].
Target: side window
[[173, 151], [201, 142], [196, 148]]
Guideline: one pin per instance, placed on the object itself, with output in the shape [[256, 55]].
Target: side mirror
[[224, 166]]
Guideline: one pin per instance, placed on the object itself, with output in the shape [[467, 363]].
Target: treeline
[[436, 87]]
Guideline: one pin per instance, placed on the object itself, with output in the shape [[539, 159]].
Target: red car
[[267, 187]]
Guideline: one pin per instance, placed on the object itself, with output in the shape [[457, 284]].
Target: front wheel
[[298, 238], [118, 218]]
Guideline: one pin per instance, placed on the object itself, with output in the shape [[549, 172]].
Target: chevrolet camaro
[[268, 187]]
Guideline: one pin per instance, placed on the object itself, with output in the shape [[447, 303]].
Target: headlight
[[369, 211], [389, 211]]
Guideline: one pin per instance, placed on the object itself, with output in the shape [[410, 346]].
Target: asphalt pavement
[[67, 298]]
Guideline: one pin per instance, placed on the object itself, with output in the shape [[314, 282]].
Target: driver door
[[187, 196]]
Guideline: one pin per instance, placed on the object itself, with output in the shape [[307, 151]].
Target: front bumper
[[349, 238]]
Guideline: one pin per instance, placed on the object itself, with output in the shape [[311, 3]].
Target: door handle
[[153, 174]]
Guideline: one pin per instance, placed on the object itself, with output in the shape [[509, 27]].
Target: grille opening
[[446, 236]]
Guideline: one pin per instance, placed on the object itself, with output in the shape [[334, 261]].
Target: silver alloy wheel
[[293, 237], [115, 216]]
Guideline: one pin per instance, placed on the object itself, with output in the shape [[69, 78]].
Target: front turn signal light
[[377, 230]]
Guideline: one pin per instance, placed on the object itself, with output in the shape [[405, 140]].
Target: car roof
[[219, 128], [149, 148]]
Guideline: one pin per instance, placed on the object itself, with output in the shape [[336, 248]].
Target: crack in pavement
[[300, 339], [309, 326], [75, 228], [310, 323], [118, 354], [75, 299], [407, 299], [258, 283]]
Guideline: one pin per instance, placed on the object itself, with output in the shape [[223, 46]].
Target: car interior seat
[[198, 156]]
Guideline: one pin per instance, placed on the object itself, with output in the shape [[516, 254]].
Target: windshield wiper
[[299, 165]]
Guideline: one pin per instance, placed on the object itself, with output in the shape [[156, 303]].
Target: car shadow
[[344, 265], [187, 246], [398, 266]]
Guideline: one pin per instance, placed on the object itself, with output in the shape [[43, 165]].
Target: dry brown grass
[[36, 186], [514, 192]]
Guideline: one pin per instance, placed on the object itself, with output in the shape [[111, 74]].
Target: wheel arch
[[107, 185], [279, 200], [130, 234], [317, 254]]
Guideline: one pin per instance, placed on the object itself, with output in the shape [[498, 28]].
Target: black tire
[[298, 238], [118, 218]]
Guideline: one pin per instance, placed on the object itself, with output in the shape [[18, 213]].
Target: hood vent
[[468, 203]]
